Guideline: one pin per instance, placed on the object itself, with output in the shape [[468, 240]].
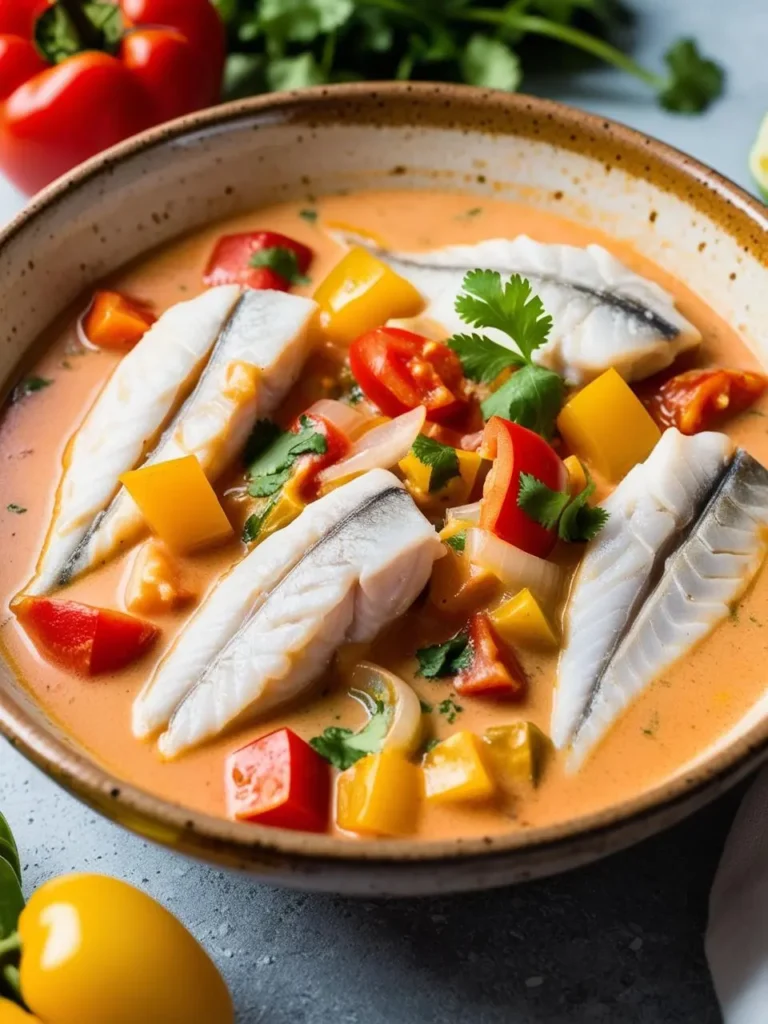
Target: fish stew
[[389, 515]]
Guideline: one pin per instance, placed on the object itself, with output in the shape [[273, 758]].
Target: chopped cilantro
[[343, 747], [450, 709], [426, 708], [458, 541], [272, 468], [262, 436], [282, 260], [441, 458], [309, 215], [447, 659], [254, 524], [482, 359], [29, 386], [574, 518], [430, 745], [18, 509]]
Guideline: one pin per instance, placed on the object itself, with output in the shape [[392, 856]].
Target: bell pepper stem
[[89, 34], [12, 944]]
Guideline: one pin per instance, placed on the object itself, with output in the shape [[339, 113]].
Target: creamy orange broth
[[671, 722]]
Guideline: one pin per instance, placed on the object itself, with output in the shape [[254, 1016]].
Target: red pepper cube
[[279, 780], [230, 261], [495, 670]]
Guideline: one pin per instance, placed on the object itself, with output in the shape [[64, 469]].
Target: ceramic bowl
[[223, 161]]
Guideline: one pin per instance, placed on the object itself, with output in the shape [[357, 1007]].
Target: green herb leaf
[[302, 21], [539, 502], [8, 848], [426, 709], [264, 433], [243, 75], [343, 747], [310, 216], [61, 32], [430, 745], [531, 397], [270, 483], [575, 519], [282, 260], [272, 468], [490, 63], [482, 359], [450, 709], [458, 541], [579, 520], [19, 510], [694, 81], [512, 309], [294, 72], [254, 524], [446, 659], [29, 386], [441, 458], [11, 899]]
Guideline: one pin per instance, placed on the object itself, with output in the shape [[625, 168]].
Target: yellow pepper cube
[[454, 771], [289, 506], [607, 425], [361, 293], [178, 503], [521, 620], [577, 478], [515, 752], [418, 479], [380, 795], [457, 585]]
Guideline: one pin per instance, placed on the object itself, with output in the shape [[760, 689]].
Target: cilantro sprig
[[343, 747], [574, 518], [533, 395], [441, 458], [273, 466], [282, 260], [447, 659]]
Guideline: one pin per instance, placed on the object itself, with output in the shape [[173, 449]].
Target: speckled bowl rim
[[475, 110]]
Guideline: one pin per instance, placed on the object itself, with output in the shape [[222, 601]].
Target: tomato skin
[[81, 638], [399, 370], [166, 64], [228, 263], [19, 60], [515, 450], [495, 670], [17, 17], [310, 465], [698, 399], [279, 780]]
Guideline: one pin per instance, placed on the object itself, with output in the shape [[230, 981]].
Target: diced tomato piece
[[230, 261], [698, 399], [84, 639], [495, 670], [398, 370], [308, 466], [116, 322], [279, 780], [515, 450]]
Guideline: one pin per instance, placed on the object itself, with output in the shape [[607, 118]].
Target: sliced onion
[[380, 448], [400, 701], [515, 568], [82, 337], [467, 513], [348, 420]]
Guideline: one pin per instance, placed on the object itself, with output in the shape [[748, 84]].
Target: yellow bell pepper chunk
[[457, 585], [521, 620], [515, 752], [380, 795], [577, 478], [289, 506], [10, 1013], [178, 503], [456, 491], [155, 586], [361, 293], [607, 425], [454, 770]]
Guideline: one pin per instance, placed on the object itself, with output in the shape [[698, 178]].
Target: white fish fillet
[[604, 315], [359, 576], [701, 581], [239, 594], [648, 510], [268, 334], [126, 418]]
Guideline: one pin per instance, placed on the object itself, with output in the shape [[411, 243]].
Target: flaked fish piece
[[650, 508], [604, 314], [358, 576], [701, 582], [126, 419], [255, 362]]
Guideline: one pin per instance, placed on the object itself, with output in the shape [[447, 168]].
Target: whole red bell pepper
[[76, 78]]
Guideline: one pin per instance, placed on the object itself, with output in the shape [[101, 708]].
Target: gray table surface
[[618, 942]]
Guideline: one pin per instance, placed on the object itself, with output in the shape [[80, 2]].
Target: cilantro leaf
[[272, 468], [309, 215], [302, 21], [511, 308], [531, 397], [450, 709], [490, 63], [441, 458], [343, 747], [574, 518], [262, 436], [282, 260], [29, 386], [254, 524], [270, 483], [447, 659], [694, 81], [458, 541], [19, 510], [482, 360]]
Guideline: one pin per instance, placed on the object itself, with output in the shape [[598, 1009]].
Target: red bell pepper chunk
[[399, 370], [279, 780], [310, 465], [230, 261], [84, 639], [698, 399], [494, 670], [515, 450]]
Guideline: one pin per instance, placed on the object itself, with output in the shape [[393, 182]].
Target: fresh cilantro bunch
[[288, 44]]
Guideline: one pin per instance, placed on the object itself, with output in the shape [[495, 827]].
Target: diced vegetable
[[399, 370], [155, 585], [515, 752], [465, 513], [361, 293], [258, 259], [455, 771], [430, 482], [114, 321], [607, 425], [515, 568], [281, 510], [699, 399], [516, 450], [279, 780], [521, 620], [577, 478], [81, 638], [379, 795], [310, 466], [457, 586], [178, 503], [382, 447], [494, 670]]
